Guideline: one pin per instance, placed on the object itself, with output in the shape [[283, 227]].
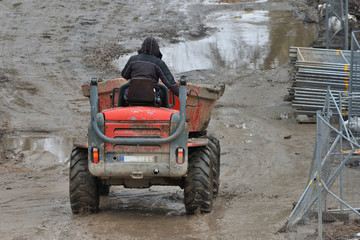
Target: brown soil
[[50, 48]]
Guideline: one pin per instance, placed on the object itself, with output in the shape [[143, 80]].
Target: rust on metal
[[105, 90], [197, 142], [200, 101]]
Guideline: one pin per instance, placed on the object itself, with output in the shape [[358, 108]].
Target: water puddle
[[237, 1], [58, 146], [164, 200], [244, 40]]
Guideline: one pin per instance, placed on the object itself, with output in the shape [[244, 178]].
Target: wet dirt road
[[49, 48]]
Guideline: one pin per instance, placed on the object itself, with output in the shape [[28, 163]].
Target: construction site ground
[[50, 48]]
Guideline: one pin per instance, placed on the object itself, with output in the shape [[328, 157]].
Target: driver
[[148, 64]]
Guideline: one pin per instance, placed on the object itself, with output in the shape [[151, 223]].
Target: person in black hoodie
[[148, 64]]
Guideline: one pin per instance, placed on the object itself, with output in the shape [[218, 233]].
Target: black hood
[[150, 46]]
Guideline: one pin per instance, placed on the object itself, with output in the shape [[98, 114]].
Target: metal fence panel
[[335, 168], [336, 23]]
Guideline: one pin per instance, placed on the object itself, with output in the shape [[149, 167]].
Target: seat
[[164, 94], [140, 92]]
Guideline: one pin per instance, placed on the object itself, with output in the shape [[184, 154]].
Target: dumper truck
[[138, 145]]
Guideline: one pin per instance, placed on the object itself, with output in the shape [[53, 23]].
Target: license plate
[[138, 158]]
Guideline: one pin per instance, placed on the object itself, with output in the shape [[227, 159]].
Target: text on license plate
[[138, 158]]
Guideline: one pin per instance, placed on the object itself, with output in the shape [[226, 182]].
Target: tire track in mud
[[44, 203], [21, 53]]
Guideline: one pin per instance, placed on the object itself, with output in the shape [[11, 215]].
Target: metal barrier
[[354, 86], [336, 20], [335, 169], [332, 189], [355, 62], [316, 70]]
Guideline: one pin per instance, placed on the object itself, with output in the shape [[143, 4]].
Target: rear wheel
[[84, 193], [214, 148], [198, 187], [104, 189]]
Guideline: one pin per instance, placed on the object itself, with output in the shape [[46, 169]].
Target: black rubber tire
[[198, 186], [104, 190], [83, 187], [214, 148]]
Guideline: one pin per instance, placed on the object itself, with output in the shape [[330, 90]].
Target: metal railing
[[334, 172], [316, 70], [336, 22], [355, 62], [335, 168]]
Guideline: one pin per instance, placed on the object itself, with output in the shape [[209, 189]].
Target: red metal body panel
[[137, 129], [105, 89], [202, 97], [138, 113], [123, 130], [197, 142], [200, 102]]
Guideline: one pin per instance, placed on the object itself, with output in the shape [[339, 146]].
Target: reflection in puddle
[[237, 1], [58, 146], [157, 200], [244, 40], [235, 45]]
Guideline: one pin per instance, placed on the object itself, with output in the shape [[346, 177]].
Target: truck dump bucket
[[200, 102]]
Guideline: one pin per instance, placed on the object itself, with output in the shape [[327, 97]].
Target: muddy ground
[[50, 48]]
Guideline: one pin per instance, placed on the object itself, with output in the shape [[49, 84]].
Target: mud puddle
[[35, 191], [167, 201], [59, 146], [243, 40], [236, 1]]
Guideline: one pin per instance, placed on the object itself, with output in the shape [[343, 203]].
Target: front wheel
[[83, 187], [198, 187]]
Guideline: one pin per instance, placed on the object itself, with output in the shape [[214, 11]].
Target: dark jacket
[[148, 64]]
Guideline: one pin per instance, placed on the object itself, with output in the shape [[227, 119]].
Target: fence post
[[327, 24], [318, 166], [346, 25], [341, 155]]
